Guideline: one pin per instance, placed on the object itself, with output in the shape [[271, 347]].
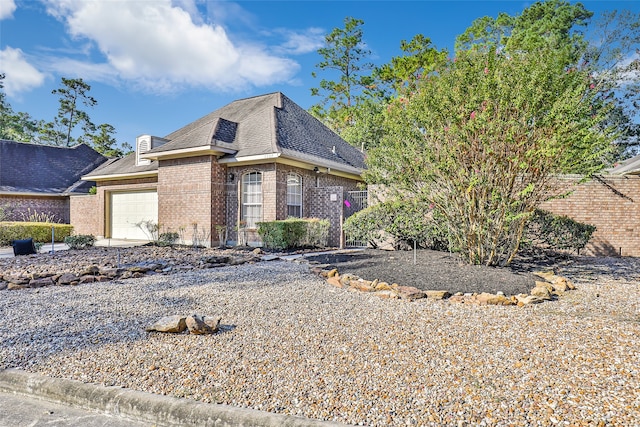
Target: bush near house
[[406, 221], [39, 231], [294, 232], [80, 241]]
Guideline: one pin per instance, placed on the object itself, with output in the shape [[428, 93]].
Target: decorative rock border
[[549, 289], [95, 273]]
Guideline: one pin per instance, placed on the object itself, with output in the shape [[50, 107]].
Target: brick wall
[[191, 197], [612, 204], [19, 207], [327, 203], [85, 214]]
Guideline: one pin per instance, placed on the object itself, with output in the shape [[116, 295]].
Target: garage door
[[129, 209]]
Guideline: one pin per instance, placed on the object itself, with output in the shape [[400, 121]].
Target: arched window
[[294, 195], [251, 199]]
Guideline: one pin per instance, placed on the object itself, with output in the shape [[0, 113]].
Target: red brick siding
[[18, 207], [85, 214], [191, 197], [612, 204]]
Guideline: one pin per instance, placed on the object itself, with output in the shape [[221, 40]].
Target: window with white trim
[[294, 195], [251, 199]]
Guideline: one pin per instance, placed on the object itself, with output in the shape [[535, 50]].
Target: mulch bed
[[435, 270]]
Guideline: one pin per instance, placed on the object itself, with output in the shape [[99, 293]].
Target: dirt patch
[[434, 270]]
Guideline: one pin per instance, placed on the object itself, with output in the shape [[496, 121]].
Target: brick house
[[256, 159], [611, 202], [40, 178]]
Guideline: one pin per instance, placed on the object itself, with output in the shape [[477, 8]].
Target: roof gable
[[34, 168]]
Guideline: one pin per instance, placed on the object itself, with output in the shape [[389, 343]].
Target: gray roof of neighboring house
[[261, 125], [628, 167], [45, 169]]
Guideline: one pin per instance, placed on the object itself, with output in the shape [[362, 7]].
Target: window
[[252, 199], [294, 195]]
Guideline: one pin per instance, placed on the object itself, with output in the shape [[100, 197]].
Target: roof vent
[[145, 143], [333, 150]]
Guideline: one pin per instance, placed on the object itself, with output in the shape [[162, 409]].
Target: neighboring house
[[611, 202], [39, 178], [257, 159]]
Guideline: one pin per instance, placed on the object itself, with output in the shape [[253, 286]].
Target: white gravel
[[293, 344]]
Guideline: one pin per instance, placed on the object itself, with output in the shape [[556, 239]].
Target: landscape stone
[[213, 322], [437, 294], [335, 281], [410, 293], [172, 324], [39, 283], [197, 325], [67, 279], [541, 291]]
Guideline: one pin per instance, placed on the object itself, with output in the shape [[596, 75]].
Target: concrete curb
[[146, 407]]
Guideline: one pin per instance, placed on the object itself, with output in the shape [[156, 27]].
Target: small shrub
[[168, 238], [551, 231], [294, 232], [40, 232], [80, 241], [317, 233], [150, 228]]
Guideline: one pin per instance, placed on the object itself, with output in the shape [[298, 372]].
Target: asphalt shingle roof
[[34, 168], [261, 125]]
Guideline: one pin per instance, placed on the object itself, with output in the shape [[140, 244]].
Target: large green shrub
[[317, 233], [294, 232], [39, 231], [407, 221], [551, 231]]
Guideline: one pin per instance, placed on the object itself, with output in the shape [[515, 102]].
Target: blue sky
[[156, 65]]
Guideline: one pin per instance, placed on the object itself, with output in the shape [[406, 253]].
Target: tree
[[401, 73], [73, 92], [14, 126], [613, 55], [419, 58], [544, 25], [344, 53], [104, 142], [482, 139]]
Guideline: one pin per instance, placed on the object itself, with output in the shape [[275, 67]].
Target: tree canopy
[[482, 139]]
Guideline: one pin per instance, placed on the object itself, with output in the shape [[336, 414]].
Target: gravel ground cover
[[292, 344]]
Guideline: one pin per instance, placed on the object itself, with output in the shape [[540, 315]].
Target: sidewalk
[[28, 399]]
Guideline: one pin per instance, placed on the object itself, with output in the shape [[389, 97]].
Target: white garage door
[[129, 209]]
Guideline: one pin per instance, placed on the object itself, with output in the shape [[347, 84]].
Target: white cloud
[[7, 7], [21, 76], [158, 46], [298, 43]]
